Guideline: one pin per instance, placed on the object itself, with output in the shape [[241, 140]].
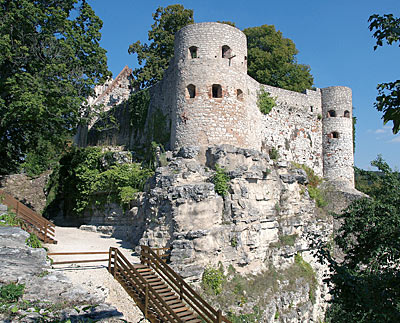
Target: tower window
[[216, 91], [331, 113], [226, 51], [347, 114], [334, 135], [193, 52], [239, 94], [191, 91]]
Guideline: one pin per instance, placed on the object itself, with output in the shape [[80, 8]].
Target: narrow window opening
[[216, 91], [226, 51], [347, 114], [193, 52], [334, 135], [312, 108], [331, 113], [239, 94], [191, 90]]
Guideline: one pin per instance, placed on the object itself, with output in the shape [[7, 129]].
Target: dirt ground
[[94, 277]]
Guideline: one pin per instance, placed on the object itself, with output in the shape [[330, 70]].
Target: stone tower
[[210, 69], [337, 135]]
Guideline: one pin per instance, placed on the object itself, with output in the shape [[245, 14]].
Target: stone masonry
[[209, 99]]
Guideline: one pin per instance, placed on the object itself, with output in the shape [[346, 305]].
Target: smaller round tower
[[337, 135]]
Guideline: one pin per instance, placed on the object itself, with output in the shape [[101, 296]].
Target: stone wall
[[30, 191], [207, 98]]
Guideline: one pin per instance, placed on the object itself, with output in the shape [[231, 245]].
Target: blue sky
[[331, 36]]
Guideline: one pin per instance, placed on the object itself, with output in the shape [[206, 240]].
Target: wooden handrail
[[33, 222], [152, 298], [192, 298]]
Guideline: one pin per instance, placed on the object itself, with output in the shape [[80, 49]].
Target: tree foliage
[[155, 56], [366, 284], [387, 29], [271, 57], [50, 59], [272, 60]]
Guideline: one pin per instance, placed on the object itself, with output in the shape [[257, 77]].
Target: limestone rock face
[[263, 221], [22, 264]]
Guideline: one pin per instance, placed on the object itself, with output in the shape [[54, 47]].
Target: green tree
[[155, 56], [387, 29], [366, 284], [50, 59], [272, 60]]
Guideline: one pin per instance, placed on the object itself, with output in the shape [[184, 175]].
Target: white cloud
[[380, 131], [395, 139]]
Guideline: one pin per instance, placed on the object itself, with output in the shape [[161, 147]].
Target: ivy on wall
[[138, 104]]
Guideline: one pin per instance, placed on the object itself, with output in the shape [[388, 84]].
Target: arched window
[[239, 94], [193, 52], [216, 91], [334, 135], [226, 51], [347, 114], [191, 91], [331, 113]]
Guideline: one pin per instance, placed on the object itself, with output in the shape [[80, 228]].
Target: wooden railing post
[[45, 233], [115, 264], [109, 260], [146, 300], [17, 208], [219, 316], [180, 290]]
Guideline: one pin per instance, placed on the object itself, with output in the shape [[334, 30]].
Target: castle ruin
[[209, 99]]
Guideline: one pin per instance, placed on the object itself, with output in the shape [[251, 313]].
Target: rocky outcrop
[[30, 191], [47, 294], [264, 221]]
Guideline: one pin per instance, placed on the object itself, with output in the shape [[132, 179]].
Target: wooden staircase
[[31, 221], [161, 295]]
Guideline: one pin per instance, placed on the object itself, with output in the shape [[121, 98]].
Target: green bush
[[33, 241], [265, 102], [274, 153], [212, 280], [221, 181], [11, 293], [83, 179]]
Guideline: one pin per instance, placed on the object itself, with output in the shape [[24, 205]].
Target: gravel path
[[94, 276]]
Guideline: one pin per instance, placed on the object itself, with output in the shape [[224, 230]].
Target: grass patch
[[302, 269], [313, 185], [285, 240], [10, 220]]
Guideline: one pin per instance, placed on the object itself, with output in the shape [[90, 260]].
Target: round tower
[[337, 135], [210, 76]]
